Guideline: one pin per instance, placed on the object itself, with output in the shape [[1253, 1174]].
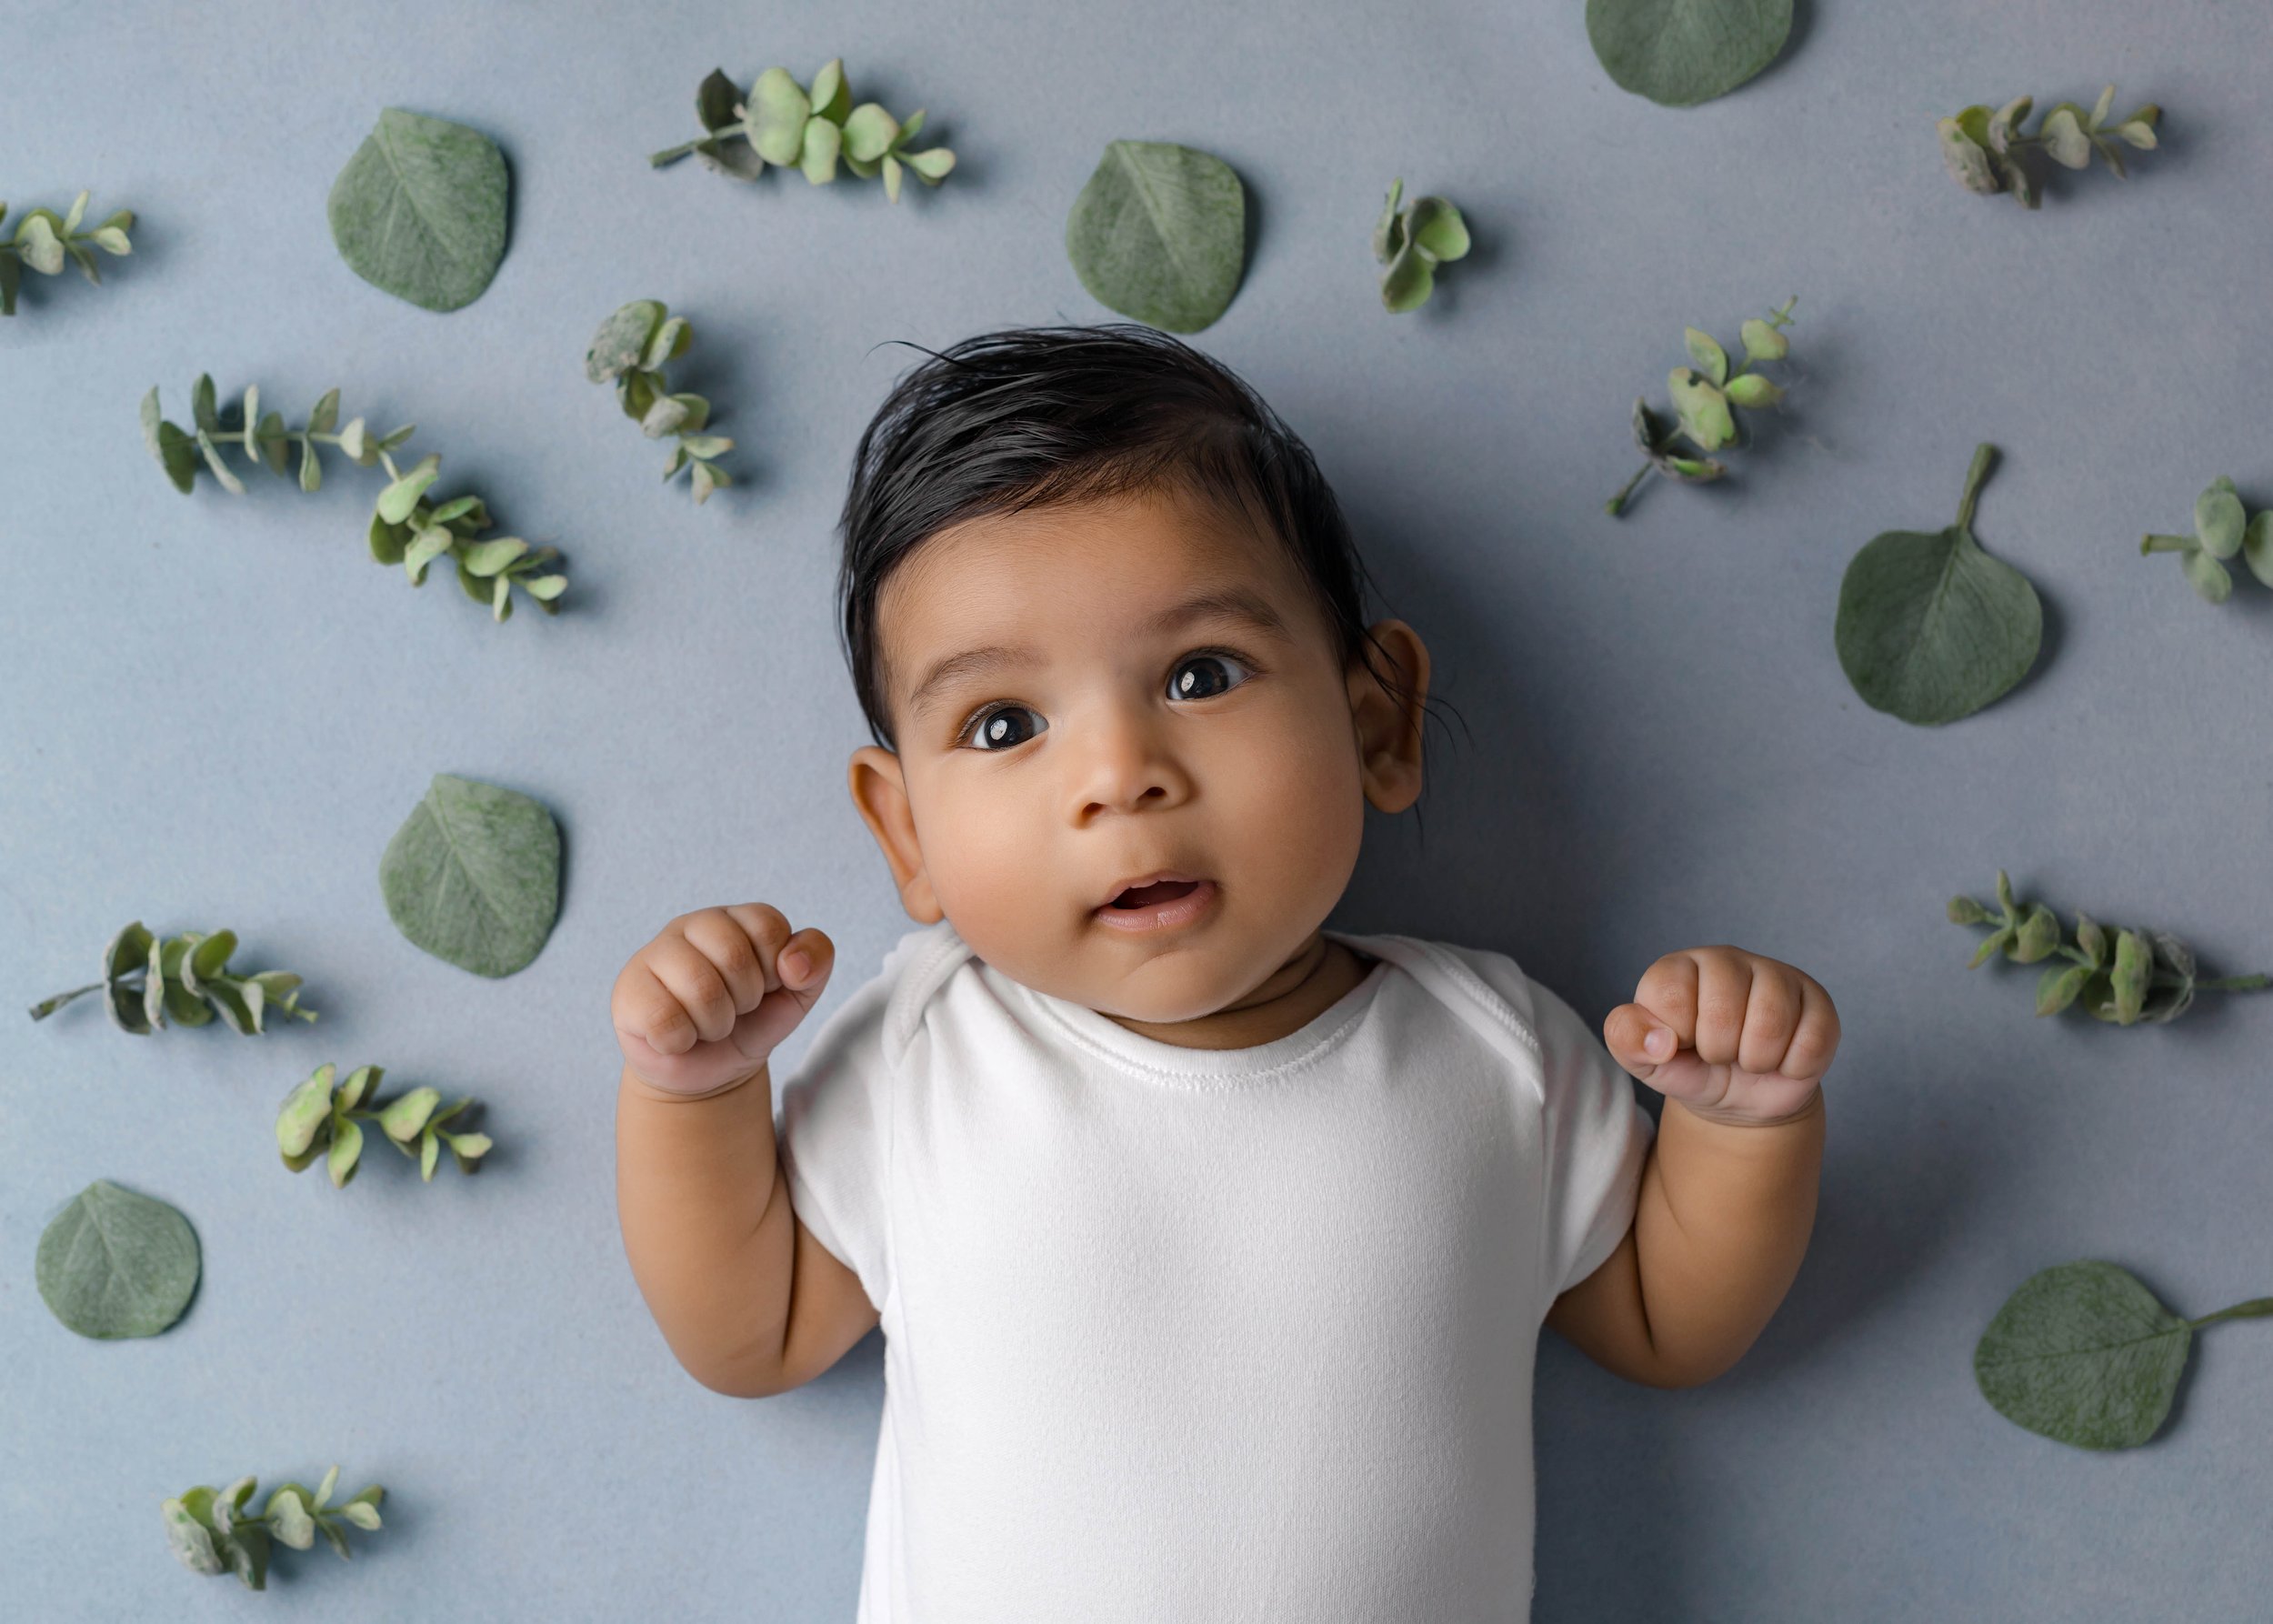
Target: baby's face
[[1090, 694]]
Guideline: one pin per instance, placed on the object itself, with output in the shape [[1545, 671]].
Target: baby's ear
[[879, 789], [1387, 687]]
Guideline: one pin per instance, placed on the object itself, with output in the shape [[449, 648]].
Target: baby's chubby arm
[[1738, 1044], [750, 1303]]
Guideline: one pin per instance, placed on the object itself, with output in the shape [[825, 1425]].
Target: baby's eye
[[1205, 676], [1000, 729]]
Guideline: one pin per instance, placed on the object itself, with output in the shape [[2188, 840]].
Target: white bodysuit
[[1175, 1335]]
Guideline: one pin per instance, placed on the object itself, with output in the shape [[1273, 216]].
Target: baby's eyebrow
[[1228, 603]]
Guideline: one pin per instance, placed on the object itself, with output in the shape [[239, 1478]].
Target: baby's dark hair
[[1029, 416]]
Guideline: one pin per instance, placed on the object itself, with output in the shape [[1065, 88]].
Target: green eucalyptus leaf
[[2219, 520], [714, 101], [823, 142], [305, 1110], [2211, 580], [401, 495], [1159, 233], [622, 340], [1706, 354], [473, 876], [2063, 136], [1967, 159], [1678, 53], [419, 211], [1409, 280], [778, 111], [288, 1518], [429, 1153], [1436, 225], [869, 132], [2038, 937], [2257, 546], [2083, 1354], [116, 1263], [1763, 342], [931, 165], [405, 1117], [1750, 389], [189, 1539], [346, 1146], [1388, 231], [1931, 628], [1702, 408], [2059, 986]]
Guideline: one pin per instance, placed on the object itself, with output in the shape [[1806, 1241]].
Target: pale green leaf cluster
[[114, 1263], [2085, 1354], [631, 350], [323, 1117], [45, 240], [1707, 394], [1988, 153], [404, 528], [782, 122], [1412, 242], [1930, 627], [213, 1532], [2119, 976], [184, 978], [2221, 529]]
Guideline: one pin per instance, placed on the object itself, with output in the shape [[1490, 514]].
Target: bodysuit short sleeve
[[1597, 1135], [835, 1129]]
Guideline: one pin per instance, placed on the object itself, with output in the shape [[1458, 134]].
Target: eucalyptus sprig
[[44, 239], [1412, 242], [405, 530], [2221, 529], [1705, 396], [1986, 152], [631, 349], [782, 122], [211, 1531], [184, 977], [2121, 976], [320, 1119]]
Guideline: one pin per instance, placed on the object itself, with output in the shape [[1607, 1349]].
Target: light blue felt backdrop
[[215, 711]]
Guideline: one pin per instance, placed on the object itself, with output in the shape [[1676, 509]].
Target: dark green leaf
[[116, 1264], [473, 876], [1682, 52], [2083, 1353], [1159, 233], [419, 211], [1931, 628]]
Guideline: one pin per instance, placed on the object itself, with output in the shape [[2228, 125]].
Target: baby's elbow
[[739, 1381]]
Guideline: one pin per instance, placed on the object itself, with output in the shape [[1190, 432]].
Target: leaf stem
[[2256, 1307], [42, 1010], [2256, 983], [1617, 504], [1984, 458]]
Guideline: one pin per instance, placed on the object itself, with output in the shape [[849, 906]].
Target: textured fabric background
[[215, 710]]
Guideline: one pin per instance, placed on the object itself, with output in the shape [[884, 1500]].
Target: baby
[[1210, 1245]]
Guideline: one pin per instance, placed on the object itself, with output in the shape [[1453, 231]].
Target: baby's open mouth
[[1159, 891]]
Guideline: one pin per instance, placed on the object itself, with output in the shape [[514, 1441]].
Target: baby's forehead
[[1142, 552]]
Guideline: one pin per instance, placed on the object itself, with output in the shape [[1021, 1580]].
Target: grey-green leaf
[[1159, 233], [419, 211], [473, 876], [1931, 628], [2083, 1353], [1678, 53], [622, 340], [116, 1264]]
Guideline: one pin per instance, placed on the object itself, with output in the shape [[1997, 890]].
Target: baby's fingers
[[650, 1012]]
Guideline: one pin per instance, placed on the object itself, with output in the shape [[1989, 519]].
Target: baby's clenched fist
[[698, 1009]]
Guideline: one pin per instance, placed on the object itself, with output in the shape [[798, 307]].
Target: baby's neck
[[1294, 995]]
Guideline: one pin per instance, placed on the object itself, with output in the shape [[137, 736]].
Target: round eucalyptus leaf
[[1931, 628], [419, 211], [2218, 521], [473, 876], [1678, 53], [116, 1263], [1159, 233], [2085, 1354]]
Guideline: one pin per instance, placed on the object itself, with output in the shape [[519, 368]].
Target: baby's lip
[[1154, 878]]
